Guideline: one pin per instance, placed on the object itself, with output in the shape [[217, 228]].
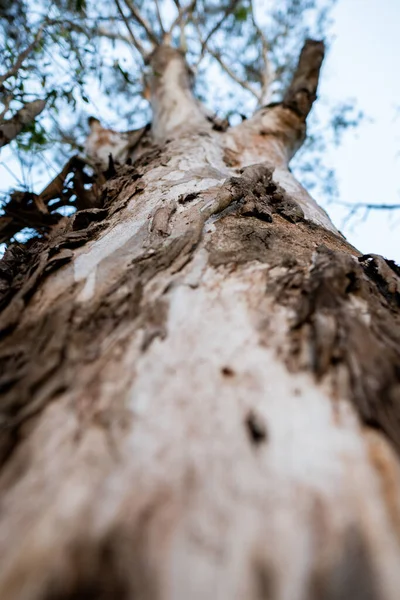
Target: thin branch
[[100, 31], [133, 39], [18, 63], [181, 18], [233, 75], [226, 67], [142, 21], [266, 75], [6, 103], [10, 128], [159, 18], [228, 11], [7, 168], [367, 205], [112, 35]]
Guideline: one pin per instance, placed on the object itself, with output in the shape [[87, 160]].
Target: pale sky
[[364, 63]]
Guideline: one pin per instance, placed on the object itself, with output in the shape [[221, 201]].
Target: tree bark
[[11, 128], [201, 382]]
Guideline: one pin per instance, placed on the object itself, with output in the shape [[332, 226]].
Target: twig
[[228, 11], [15, 68], [159, 18], [97, 31], [183, 12], [266, 74], [359, 205], [225, 67], [142, 21], [112, 35], [134, 40], [233, 75]]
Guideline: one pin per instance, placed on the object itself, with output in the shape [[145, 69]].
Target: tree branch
[[142, 21], [224, 66], [182, 12], [369, 206], [98, 31], [133, 39], [17, 65], [12, 127], [6, 104], [302, 91], [112, 35], [266, 75], [233, 75], [228, 11], [159, 18]]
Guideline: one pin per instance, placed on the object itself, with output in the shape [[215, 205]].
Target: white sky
[[364, 63]]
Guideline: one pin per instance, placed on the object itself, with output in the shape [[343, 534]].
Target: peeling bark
[[200, 385]]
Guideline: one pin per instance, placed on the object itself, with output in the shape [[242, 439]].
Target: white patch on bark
[[89, 288], [360, 308], [246, 502], [113, 240]]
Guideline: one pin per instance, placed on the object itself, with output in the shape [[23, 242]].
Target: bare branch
[[12, 127], [112, 35], [99, 31], [228, 11], [142, 21], [6, 104], [54, 188], [183, 13], [302, 91], [159, 17], [233, 75], [133, 39], [266, 75], [18, 63], [226, 67], [367, 205]]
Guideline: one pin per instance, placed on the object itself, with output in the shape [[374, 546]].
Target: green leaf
[[80, 5], [241, 13]]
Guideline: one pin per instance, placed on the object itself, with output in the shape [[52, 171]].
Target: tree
[[200, 375]]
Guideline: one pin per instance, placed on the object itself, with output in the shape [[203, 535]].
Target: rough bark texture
[[200, 385]]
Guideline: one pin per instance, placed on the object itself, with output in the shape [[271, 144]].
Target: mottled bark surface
[[200, 386]]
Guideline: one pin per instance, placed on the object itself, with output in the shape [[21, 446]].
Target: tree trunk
[[200, 380]]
